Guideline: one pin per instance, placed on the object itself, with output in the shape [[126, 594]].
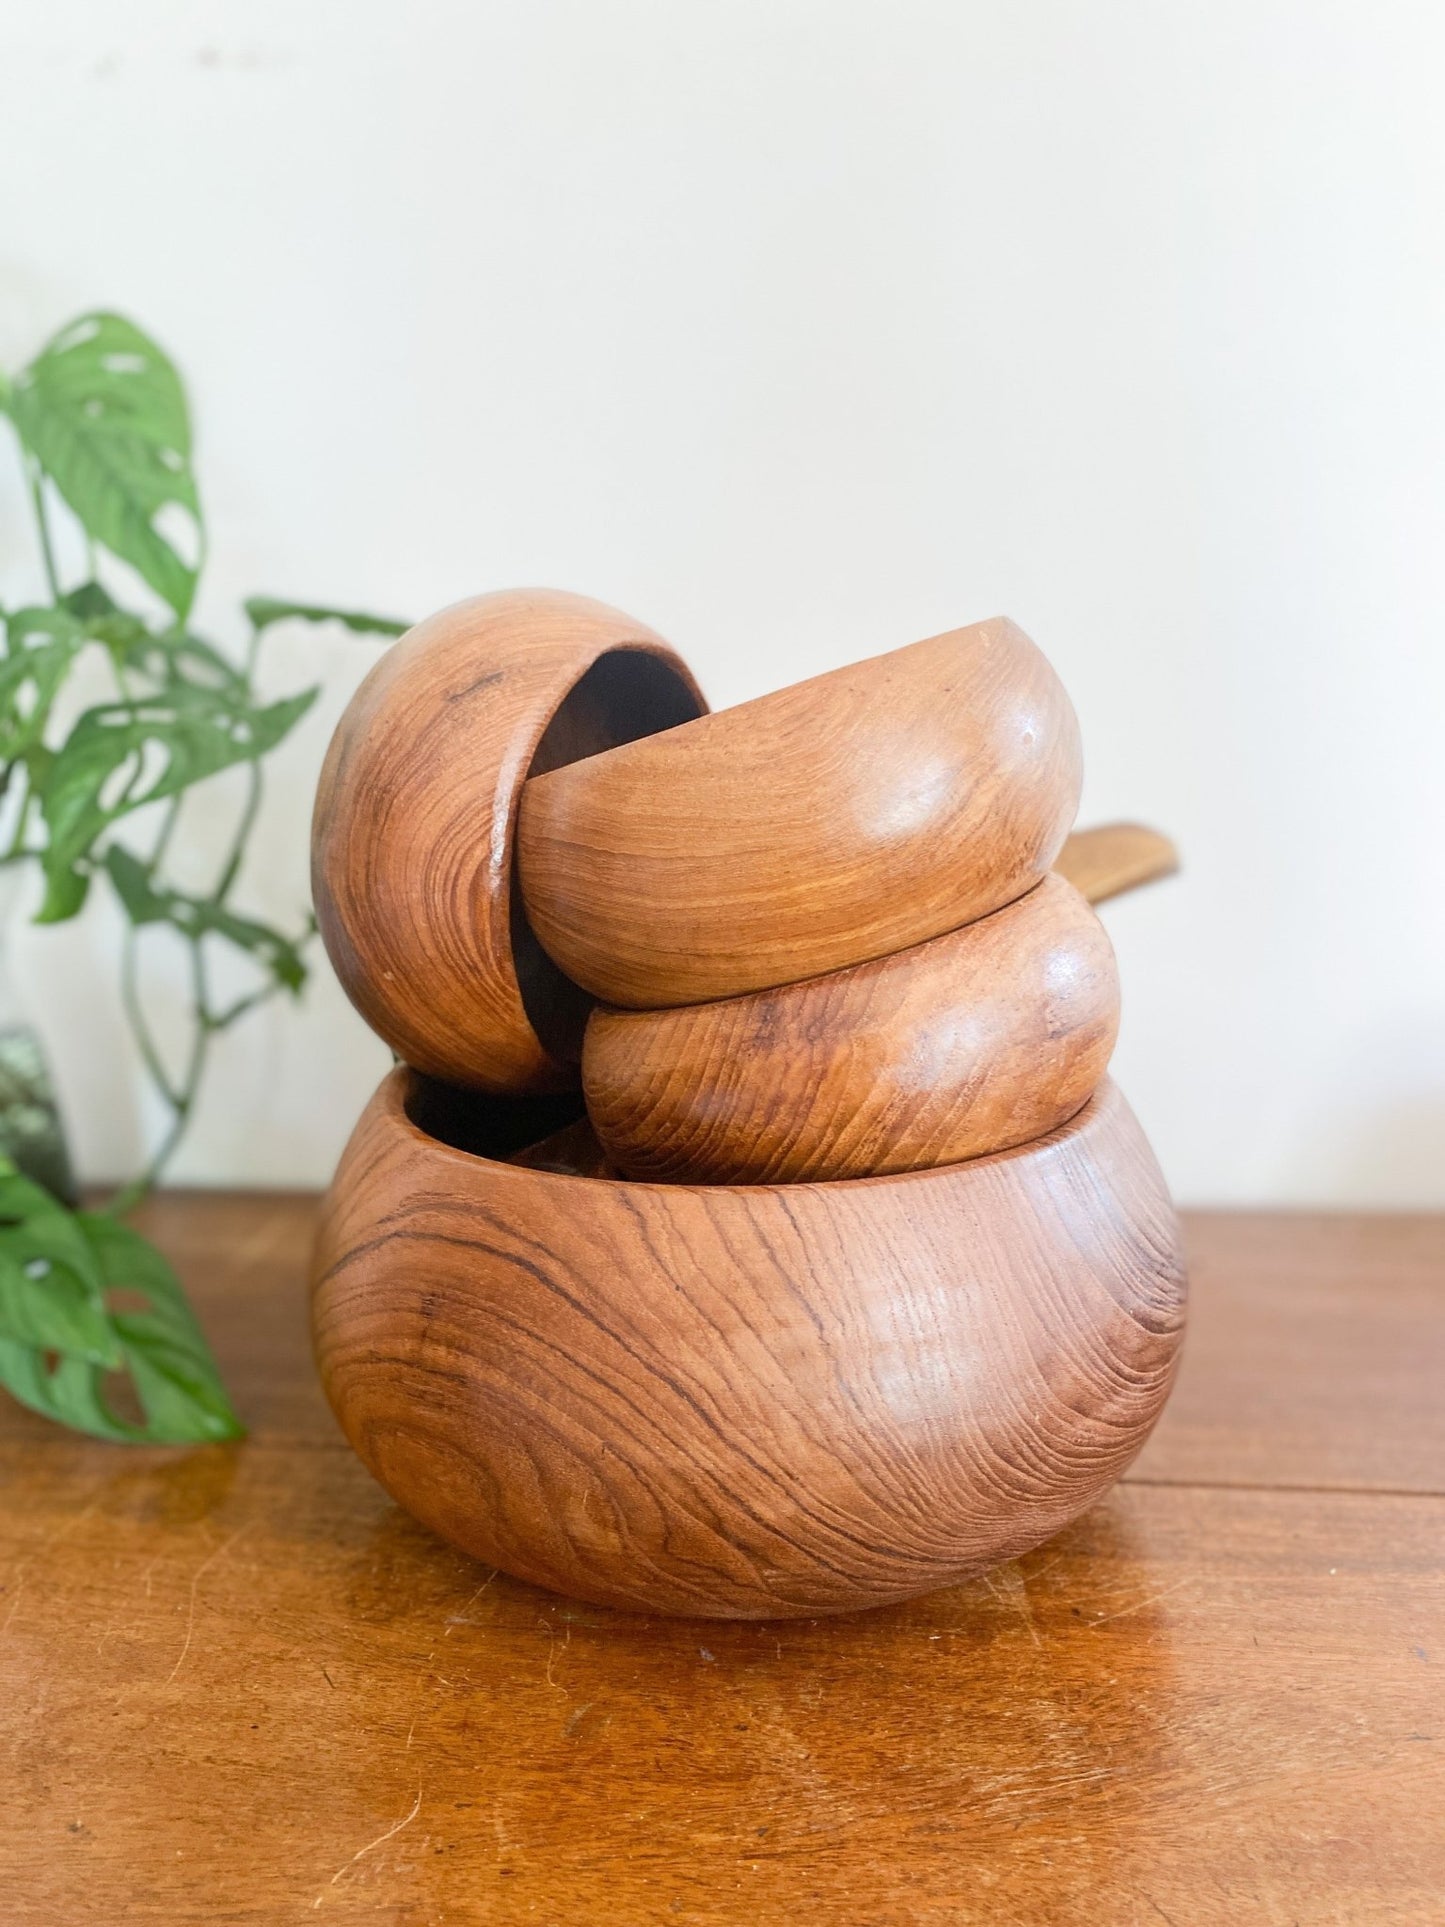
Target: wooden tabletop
[[238, 1685]]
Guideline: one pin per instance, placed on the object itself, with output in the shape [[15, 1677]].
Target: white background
[[802, 329]]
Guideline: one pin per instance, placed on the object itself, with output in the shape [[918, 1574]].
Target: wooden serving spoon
[[1111, 858]]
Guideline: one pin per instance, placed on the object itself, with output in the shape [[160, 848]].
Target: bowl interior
[[626, 694], [485, 1127]]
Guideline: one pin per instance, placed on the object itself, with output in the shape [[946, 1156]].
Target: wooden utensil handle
[[1111, 858]]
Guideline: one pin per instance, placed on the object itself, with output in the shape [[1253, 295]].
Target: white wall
[[803, 328]]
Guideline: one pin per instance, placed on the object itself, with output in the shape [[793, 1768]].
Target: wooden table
[[238, 1685]]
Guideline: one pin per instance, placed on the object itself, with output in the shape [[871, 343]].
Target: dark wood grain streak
[[747, 1401], [835, 821], [415, 821], [973, 1042]]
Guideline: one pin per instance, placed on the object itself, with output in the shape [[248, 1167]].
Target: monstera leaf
[[40, 646], [103, 413], [121, 756], [52, 1295], [146, 902], [264, 610], [83, 1298]]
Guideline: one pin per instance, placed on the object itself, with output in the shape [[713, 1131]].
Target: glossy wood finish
[[415, 821], [754, 1401], [240, 1686], [1110, 858], [574, 1150], [973, 1042], [835, 821]]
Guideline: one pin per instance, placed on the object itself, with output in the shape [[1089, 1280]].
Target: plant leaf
[[65, 894], [180, 654], [264, 610], [51, 1287], [54, 1312], [167, 658], [200, 916], [131, 878], [100, 772], [278, 954], [62, 1387], [40, 645], [58, 1368], [90, 599], [165, 1351], [103, 412]]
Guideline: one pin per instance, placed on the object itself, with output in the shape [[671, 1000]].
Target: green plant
[[104, 430]]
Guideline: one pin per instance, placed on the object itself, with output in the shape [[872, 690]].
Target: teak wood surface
[[745, 1401], [415, 820], [1109, 858], [987, 1037], [240, 1686], [830, 822]]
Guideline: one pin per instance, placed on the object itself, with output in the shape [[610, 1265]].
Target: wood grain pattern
[[829, 823], [752, 1401], [240, 1685], [1109, 858], [574, 1150], [1355, 1304], [973, 1042], [415, 820]]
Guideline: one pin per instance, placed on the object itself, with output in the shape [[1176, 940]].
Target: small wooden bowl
[[411, 842], [839, 820], [752, 1401], [970, 1043]]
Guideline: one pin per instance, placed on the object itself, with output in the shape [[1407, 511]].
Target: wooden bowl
[[411, 845], [750, 1401], [839, 820], [970, 1043]]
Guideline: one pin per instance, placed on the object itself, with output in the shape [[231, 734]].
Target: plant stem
[[17, 847], [223, 1019], [42, 523], [206, 1022], [182, 1101], [130, 1195], [232, 863], [242, 835], [179, 1099], [136, 1017], [163, 835]]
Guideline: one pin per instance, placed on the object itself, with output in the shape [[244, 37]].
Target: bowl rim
[[388, 1104], [876, 662]]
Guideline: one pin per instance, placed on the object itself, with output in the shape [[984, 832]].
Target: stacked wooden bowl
[[751, 1228]]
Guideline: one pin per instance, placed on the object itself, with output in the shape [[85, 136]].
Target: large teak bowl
[[744, 1401]]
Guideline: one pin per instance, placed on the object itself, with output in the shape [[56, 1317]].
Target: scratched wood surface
[[241, 1686]]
